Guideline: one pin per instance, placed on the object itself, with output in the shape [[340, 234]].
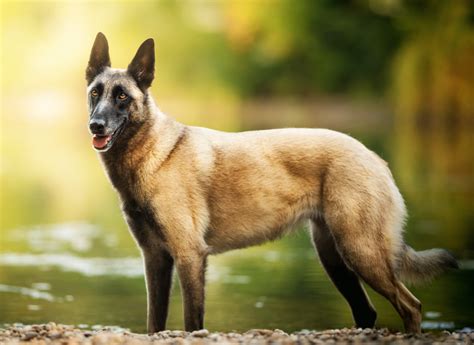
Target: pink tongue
[[100, 142]]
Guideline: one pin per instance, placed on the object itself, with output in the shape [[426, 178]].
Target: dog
[[189, 192]]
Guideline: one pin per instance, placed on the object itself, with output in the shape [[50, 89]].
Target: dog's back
[[262, 182]]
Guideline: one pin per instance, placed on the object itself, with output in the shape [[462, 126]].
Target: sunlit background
[[397, 75]]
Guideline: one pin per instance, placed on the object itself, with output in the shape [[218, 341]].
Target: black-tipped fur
[[99, 58], [142, 67]]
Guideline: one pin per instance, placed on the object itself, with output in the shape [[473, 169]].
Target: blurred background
[[397, 75]]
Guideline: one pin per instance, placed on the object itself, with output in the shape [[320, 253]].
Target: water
[[89, 272], [278, 285]]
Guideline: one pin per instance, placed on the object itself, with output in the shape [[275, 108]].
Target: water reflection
[[64, 237], [278, 285], [435, 171], [29, 292]]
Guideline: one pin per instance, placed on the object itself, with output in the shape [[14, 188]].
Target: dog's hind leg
[[365, 212], [368, 253], [345, 279], [378, 273]]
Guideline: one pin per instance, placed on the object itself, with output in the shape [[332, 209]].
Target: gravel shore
[[53, 333]]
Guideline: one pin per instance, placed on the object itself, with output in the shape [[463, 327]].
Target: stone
[[200, 333], [29, 335]]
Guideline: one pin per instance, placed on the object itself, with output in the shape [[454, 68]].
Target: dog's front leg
[[191, 269], [159, 273]]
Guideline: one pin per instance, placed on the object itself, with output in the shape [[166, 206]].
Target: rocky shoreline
[[53, 333]]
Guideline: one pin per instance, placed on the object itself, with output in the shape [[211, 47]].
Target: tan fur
[[188, 192], [241, 189], [216, 191]]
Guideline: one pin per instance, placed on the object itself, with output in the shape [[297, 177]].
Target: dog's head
[[117, 98]]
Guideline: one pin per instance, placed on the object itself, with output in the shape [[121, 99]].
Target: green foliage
[[302, 47]]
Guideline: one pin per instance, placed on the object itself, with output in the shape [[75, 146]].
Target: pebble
[[214, 337], [29, 335], [177, 334], [202, 333], [57, 334], [54, 335], [259, 332]]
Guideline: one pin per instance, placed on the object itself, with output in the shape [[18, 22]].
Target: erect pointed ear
[[99, 58], [142, 67]]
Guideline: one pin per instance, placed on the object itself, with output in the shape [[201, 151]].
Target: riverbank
[[52, 333]]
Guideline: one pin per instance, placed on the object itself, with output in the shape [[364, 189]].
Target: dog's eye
[[94, 93], [122, 96]]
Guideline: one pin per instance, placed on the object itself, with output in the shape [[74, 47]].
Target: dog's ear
[[99, 58], [142, 67]]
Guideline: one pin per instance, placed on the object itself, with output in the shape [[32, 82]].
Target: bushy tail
[[419, 267]]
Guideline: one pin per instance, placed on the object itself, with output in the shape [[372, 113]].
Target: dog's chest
[[142, 221]]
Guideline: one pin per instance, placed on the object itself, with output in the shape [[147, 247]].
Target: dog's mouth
[[102, 143]]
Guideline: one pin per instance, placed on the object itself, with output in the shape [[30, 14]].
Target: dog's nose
[[97, 126]]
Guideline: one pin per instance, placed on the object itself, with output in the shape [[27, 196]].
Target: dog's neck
[[157, 136]]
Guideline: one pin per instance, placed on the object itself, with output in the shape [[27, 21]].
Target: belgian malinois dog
[[188, 192]]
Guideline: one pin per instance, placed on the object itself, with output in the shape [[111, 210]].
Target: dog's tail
[[419, 267]]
